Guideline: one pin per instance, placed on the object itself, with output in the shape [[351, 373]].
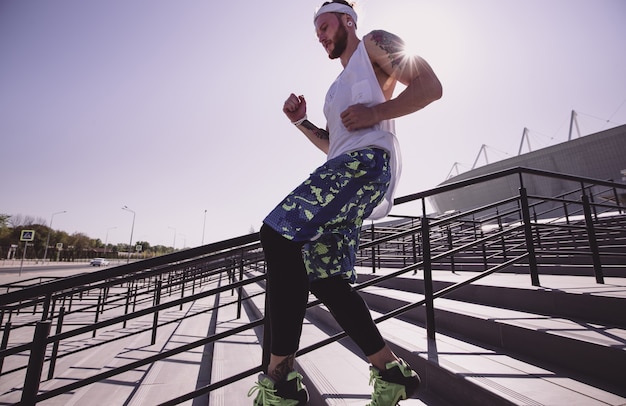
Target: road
[[10, 270]]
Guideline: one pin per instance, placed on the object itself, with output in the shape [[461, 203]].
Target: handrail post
[[414, 242], [428, 280], [475, 232], [231, 275], [449, 240], [52, 309], [528, 233], [46, 307], [136, 292], [484, 250], [267, 332], [616, 197], [35, 363], [129, 291], [93, 334], [373, 248], [593, 242], [501, 228], [403, 253], [566, 213], [240, 289], [537, 233], [593, 206], [416, 249], [155, 318], [5, 342], [182, 289], [55, 346]]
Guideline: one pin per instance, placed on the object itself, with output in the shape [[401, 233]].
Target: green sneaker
[[290, 392], [395, 383]]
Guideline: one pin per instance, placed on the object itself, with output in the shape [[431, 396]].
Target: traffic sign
[[27, 235]]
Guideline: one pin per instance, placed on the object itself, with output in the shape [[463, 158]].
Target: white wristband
[[298, 122]]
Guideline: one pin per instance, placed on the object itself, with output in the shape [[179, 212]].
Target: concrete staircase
[[530, 350], [500, 341]]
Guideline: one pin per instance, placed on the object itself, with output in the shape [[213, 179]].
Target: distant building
[[599, 156]]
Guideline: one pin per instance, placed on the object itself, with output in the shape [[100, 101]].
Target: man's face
[[331, 34]]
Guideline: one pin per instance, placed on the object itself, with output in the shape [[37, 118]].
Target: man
[[311, 237]]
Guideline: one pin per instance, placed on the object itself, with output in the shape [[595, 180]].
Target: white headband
[[336, 8]]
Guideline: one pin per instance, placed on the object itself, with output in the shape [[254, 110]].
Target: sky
[[174, 108]]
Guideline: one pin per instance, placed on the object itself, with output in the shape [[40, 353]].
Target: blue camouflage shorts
[[327, 210]]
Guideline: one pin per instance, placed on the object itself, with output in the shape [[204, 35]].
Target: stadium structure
[[601, 156]]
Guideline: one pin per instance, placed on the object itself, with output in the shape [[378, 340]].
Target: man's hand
[[294, 107], [359, 116]]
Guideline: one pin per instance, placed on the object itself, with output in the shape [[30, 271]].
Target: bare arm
[[317, 136], [392, 65], [295, 109]]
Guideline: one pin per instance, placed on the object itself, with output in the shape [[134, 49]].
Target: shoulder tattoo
[[391, 44]]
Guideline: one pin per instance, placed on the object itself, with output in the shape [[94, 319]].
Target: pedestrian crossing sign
[[27, 235]]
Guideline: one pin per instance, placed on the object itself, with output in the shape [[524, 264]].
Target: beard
[[340, 42]]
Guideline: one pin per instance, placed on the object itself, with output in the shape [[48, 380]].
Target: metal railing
[[514, 232]]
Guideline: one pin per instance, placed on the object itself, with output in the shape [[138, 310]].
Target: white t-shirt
[[357, 84]]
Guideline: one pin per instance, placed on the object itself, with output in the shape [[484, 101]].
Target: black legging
[[288, 291]]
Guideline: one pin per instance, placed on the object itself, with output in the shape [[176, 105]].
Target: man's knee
[[334, 288]]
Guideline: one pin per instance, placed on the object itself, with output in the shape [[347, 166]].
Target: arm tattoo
[[319, 133], [283, 368], [391, 44]]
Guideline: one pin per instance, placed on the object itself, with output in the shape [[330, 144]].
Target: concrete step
[[80, 365], [477, 375], [459, 369], [592, 351], [236, 354], [337, 374], [578, 297], [150, 384], [469, 374]]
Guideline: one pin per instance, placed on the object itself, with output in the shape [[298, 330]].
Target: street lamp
[[130, 244], [45, 252], [174, 245], [106, 240]]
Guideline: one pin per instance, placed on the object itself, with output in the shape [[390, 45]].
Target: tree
[[19, 220], [75, 246], [5, 231], [4, 221]]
